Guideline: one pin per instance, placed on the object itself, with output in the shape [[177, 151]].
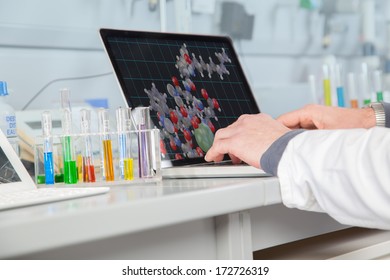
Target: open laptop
[[17, 188], [193, 85]]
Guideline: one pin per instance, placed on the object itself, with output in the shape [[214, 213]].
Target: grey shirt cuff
[[386, 107], [270, 160]]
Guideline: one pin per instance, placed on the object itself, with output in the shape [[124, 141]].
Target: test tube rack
[[134, 157]]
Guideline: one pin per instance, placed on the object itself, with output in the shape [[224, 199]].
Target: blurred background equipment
[[280, 43]]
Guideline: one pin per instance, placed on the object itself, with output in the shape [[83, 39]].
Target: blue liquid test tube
[[47, 148], [339, 86]]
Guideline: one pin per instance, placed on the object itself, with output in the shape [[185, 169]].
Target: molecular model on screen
[[187, 66], [192, 116]]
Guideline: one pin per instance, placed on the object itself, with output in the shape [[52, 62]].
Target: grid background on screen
[[139, 62]]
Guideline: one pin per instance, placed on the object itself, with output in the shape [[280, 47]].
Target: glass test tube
[[88, 167], [123, 120], [107, 166], [339, 86], [79, 166], [70, 168], [327, 86], [313, 88], [378, 85], [365, 85], [352, 91], [47, 148], [144, 123]]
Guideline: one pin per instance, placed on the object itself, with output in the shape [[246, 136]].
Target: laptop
[[192, 84], [17, 188]]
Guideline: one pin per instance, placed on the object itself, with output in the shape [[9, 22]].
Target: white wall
[[49, 40]]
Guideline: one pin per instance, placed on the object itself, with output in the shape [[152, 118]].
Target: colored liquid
[[49, 168], [70, 172], [70, 168], [340, 97], [366, 101], [107, 160], [143, 156], [88, 170], [354, 103], [327, 93], [379, 96], [59, 178], [41, 179], [80, 168], [128, 169]]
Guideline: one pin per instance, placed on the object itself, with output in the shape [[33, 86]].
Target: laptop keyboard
[[221, 163], [37, 196]]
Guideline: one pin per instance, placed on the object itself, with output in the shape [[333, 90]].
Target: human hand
[[326, 117], [246, 139]]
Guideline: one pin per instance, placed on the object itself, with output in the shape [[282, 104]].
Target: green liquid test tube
[[70, 167], [378, 85]]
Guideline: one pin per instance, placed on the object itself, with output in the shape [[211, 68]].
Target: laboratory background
[[289, 50], [50, 45]]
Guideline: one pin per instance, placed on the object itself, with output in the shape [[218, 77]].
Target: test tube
[[339, 86], [365, 85], [107, 160], [313, 88], [378, 85], [79, 166], [352, 91], [88, 168], [143, 124], [123, 120], [327, 86], [70, 168], [47, 148]]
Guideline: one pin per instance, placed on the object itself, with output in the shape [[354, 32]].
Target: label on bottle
[[9, 125]]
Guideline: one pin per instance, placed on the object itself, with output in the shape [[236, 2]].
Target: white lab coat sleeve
[[345, 173]]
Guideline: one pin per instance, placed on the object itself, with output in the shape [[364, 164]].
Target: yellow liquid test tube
[[79, 161], [123, 120], [128, 169], [327, 87]]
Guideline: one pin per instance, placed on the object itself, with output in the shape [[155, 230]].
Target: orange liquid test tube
[[107, 160], [88, 168], [352, 91]]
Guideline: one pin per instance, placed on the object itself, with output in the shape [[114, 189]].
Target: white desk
[[173, 219]]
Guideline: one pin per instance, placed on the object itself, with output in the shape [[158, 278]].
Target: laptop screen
[[193, 85], [8, 173]]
